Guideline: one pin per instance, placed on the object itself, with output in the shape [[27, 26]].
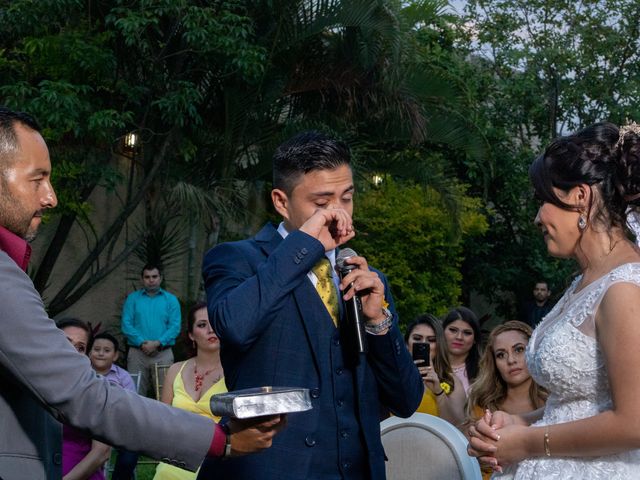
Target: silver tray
[[256, 402]]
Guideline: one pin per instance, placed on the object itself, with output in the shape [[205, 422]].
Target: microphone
[[353, 306]]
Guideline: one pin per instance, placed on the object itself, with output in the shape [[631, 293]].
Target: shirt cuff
[[218, 442]]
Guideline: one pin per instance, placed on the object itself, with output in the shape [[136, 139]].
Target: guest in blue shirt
[[150, 323]]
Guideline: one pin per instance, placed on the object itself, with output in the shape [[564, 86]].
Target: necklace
[[200, 376]]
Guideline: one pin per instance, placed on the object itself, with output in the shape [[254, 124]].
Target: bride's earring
[[582, 222]]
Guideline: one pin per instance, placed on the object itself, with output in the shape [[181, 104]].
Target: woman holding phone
[[444, 394]]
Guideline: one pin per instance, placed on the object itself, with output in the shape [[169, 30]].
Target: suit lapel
[[309, 304], [268, 238]]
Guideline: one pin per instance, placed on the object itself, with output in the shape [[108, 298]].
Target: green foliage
[[561, 64], [211, 88], [179, 105], [91, 72], [534, 70], [404, 231]]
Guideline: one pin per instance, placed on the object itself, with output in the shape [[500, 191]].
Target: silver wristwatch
[[375, 329], [227, 446]]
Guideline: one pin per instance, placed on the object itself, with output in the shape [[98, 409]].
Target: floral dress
[[564, 356]]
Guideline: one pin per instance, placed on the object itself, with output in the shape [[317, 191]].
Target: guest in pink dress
[[82, 457]]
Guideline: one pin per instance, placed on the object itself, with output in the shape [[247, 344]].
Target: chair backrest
[[136, 380], [159, 372], [424, 447]]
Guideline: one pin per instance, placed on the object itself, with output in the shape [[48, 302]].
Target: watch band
[[227, 446], [227, 440], [376, 329]]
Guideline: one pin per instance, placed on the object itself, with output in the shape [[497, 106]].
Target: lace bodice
[[563, 355]]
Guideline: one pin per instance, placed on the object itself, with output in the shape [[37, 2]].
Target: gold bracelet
[[547, 450]]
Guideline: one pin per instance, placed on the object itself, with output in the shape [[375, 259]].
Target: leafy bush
[[405, 231]]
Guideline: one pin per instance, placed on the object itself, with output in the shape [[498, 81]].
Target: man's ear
[[280, 202], [115, 359]]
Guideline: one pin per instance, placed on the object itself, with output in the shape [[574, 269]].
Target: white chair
[[136, 380], [424, 447]]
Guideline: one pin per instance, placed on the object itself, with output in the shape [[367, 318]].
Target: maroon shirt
[[17, 248]]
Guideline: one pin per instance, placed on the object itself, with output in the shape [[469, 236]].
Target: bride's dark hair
[[598, 156]]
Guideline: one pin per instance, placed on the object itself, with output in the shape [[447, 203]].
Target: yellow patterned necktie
[[326, 288]]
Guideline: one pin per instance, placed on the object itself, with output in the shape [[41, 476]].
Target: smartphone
[[421, 352]]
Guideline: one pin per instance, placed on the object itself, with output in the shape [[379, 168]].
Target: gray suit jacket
[[44, 381]]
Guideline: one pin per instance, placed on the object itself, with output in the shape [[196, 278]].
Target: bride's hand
[[512, 445], [501, 419], [482, 441]]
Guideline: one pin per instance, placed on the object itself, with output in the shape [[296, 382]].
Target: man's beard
[[15, 218], [31, 235]]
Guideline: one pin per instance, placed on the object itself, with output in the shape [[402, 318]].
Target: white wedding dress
[[563, 355]]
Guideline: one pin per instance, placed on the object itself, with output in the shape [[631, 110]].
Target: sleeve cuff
[[218, 443]]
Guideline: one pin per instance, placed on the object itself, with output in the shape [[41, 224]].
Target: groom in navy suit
[[276, 330]]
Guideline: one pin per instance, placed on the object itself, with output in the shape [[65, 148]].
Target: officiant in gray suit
[[44, 381]]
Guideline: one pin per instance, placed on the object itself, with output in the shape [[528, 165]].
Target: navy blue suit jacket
[[276, 331]]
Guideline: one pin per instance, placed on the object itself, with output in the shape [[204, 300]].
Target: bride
[[586, 351]]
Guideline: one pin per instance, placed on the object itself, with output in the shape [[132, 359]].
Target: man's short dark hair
[[306, 152], [8, 137], [149, 267], [108, 336]]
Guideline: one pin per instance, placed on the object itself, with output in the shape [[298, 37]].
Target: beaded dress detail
[[564, 356]]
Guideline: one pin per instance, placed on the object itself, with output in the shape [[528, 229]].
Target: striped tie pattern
[[326, 288]]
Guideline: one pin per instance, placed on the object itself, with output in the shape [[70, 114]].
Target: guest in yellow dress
[[444, 394], [190, 384]]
